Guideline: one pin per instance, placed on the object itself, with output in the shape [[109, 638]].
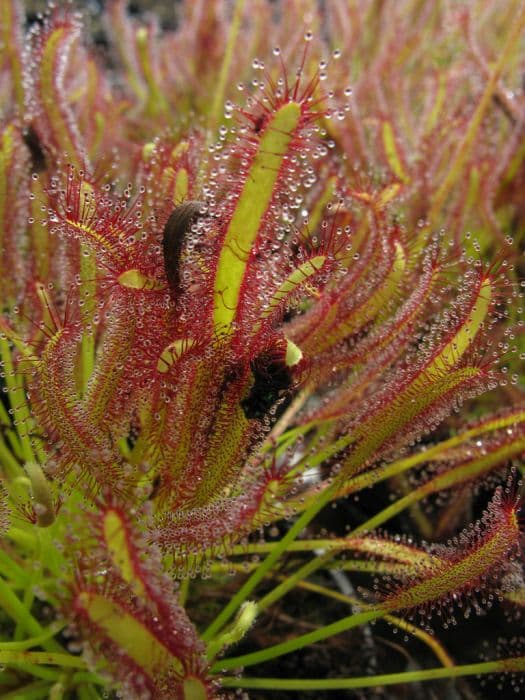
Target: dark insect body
[[272, 378], [34, 145], [177, 227]]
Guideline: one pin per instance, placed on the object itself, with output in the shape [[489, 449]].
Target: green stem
[[402, 624], [33, 691], [291, 581], [32, 641], [44, 673], [368, 681], [184, 590], [22, 616], [88, 291], [11, 571], [258, 575], [35, 575], [84, 693], [23, 538], [11, 468], [17, 399], [42, 657], [87, 677], [257, 657]]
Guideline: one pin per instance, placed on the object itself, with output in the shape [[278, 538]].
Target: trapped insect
[[177, 227]]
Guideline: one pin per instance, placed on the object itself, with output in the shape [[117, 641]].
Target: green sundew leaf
[[11, 19], [456, 573], [404, 409], [134, 638], [377, 301], [294, 280], [252, 205], [435, 380], [392, 153], [473, 468], [56, 110], [120, 552], [457, 346]]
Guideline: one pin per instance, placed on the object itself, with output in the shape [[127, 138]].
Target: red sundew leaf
[[146, 652], [126, 246], [420, 394], [14, 209], [198, 431], [131, 616], [114, 350], [55, 50], [386, 343], [384, 291], [13, 58], [79, 445], [309, 264], [476, 561], [251, 194], [219, 525], [369, 266]]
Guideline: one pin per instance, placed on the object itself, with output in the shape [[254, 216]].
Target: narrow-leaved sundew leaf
[[116, 343], [5, 511], [117, 539], [431, 389], [381, 296], [252, 205], [111, 226], [146, 653], [49, 100], [132, 614], [13, 209], [84, 212], [11, 20], [496, 453], [370, 286], [81, 445], [174, 352], [223, 522], [475, 561], [297, 279], [392, 153], [387, 341], [268, 156], [135, 279]]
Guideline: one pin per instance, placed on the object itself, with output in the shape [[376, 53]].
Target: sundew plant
[[260, 338]]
